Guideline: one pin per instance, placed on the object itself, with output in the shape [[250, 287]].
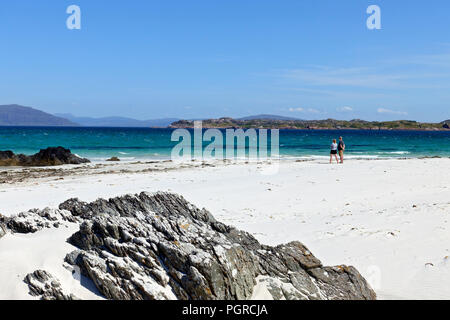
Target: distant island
[[328, 124], [15, 115]]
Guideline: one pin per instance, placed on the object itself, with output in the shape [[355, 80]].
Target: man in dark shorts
[[341, 149]]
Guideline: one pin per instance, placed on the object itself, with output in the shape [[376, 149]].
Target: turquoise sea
[[145, 143]]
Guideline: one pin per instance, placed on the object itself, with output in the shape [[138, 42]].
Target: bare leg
[[337, 161], [331, 158]]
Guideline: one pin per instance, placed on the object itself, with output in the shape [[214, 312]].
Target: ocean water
[[146, 143]]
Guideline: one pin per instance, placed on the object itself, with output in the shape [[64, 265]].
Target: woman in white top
[[334, 147]]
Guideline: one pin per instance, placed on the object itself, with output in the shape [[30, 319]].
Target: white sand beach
[[388, 218]]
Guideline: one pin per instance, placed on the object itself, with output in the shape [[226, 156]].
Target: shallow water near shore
[[151, 143]]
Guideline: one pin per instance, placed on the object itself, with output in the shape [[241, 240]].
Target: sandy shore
[[388, 218]]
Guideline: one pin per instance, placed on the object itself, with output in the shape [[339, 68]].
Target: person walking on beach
[[341, 149], [333, 152]]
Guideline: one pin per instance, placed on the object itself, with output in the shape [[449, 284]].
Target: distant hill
[[327, 124], [117, 121], [15, 115], [267, 117]]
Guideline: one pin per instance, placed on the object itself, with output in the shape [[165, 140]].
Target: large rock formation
[[158, 246], [46, 157]]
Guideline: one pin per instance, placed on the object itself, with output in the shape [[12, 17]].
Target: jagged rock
[[46, 157], [35, 220], [43, 284], [158, 246], [113, 159]]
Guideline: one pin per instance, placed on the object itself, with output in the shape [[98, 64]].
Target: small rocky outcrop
[[46, 157], [158, 246], [43, 284], [113, 159], [35, 220]]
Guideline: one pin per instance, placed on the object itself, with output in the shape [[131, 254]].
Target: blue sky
[[309, 59]]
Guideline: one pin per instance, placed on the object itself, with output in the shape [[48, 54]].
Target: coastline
[[313, 128], [375, 215]]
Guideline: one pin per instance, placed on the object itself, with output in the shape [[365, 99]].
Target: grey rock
[[158, 246], [43, 284]]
